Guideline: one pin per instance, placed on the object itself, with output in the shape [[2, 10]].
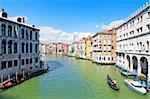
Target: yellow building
[[88, 47]]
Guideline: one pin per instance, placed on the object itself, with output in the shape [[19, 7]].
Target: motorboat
[[135, 86], [127, 73]]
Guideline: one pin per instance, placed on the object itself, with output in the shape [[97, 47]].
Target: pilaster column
[[6, 30], [148, 76]]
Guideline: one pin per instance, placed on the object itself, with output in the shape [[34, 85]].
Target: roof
[[23, 24]]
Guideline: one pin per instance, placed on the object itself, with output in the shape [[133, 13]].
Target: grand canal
[[69, 78]]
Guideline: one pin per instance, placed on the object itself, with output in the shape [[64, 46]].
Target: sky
[[67, 20]]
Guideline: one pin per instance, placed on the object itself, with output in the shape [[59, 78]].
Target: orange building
[[104, 46]]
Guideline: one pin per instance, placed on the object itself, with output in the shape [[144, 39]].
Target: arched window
[[3, 47], [30, 47], [27, 48], [9, 31], [10, 47], [3, 29], [15, 47], [36, 36], [22, 33], [22, 47], [30, 35], [27, 36]]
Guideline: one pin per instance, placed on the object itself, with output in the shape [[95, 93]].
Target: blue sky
[[72, 15]]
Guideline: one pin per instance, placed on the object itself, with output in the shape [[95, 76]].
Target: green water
[[72, 79]]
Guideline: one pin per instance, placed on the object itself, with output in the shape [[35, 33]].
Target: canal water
[[69, 78]]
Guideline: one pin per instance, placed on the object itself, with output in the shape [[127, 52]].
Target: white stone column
[[139, 66], [131, 65]]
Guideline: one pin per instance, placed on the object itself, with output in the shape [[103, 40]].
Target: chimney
[[23, 19], [2, 10], [3, 13], [19, 19]]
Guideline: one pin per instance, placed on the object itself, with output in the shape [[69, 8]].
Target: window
[[99, 58], [148, 26], [22, 61], [3, 64], [27, 36], [22, 47], [9, 64], [27, 61], [15, 31], [30, 47], [3, 29], [27, 48], [30, 60], [3, 47], [9, 31], [15, 47], [36, 36], [148, 14], [30, 35], [147, 45], [36, 60], [9, 47], [108, 58], [104, 58], [15, 63], [22, 33]]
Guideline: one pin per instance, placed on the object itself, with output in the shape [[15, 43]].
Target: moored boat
[[127, 73], [112, 83], [135, 86]]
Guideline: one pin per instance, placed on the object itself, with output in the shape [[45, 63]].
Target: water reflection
[[54, 65]]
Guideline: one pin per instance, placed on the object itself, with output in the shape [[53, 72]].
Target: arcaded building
[[19, 47], [133, 42]]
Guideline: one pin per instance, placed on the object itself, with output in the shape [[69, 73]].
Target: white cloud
[[50, 34], [113, 24]]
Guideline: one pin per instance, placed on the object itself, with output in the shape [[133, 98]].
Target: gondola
[[112, 83]]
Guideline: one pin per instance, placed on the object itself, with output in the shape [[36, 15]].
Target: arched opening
[[9, 31], [128, 61], [22, 33], [3, 29], [144, 66], [135, 63], [15, 47], [3, 47], [10, 47], [22, 47]]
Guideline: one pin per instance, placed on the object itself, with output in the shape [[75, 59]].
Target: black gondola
[[112, 83]]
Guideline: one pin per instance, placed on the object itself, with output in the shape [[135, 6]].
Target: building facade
[[133, 42], [88, 48], [81, 48], [19, 47], [104, 46]]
